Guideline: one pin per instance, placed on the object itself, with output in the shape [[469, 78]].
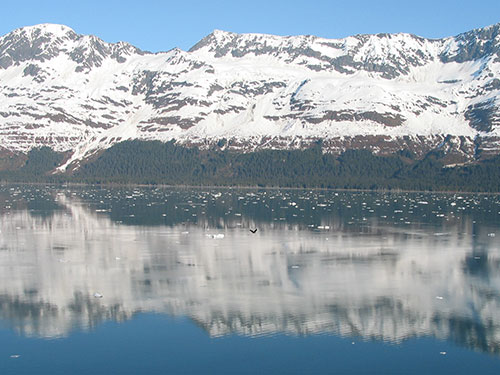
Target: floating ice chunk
[[439, 297], [442, 353], [295, 266]]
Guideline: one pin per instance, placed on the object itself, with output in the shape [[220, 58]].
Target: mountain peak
[[45, 41], [56, 30], [215, 38], [486, 29], [218, 32]]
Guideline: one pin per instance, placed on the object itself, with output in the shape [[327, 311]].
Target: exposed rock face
[[80, 94]]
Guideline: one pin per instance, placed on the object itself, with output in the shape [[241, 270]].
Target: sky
[[156, 25]]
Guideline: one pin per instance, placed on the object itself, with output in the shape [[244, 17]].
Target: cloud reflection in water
[[381, 282]]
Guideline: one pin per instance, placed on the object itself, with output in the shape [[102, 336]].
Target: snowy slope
[[79, 94]]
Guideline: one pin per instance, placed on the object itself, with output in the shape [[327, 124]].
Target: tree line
[[155, 162]]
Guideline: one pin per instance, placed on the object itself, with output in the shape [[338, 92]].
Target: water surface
[[172, 280]]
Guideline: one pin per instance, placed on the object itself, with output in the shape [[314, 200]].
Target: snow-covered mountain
[[79, 94]]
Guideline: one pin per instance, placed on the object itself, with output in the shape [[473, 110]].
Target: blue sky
[[156, 25]]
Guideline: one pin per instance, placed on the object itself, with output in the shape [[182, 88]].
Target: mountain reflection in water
[[359, 273]]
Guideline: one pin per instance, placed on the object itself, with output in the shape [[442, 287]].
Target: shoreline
[[242, 187]]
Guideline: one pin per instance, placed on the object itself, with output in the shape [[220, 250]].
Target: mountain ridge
[[80, 95]]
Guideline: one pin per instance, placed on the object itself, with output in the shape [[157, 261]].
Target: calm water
[[173, 281]]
